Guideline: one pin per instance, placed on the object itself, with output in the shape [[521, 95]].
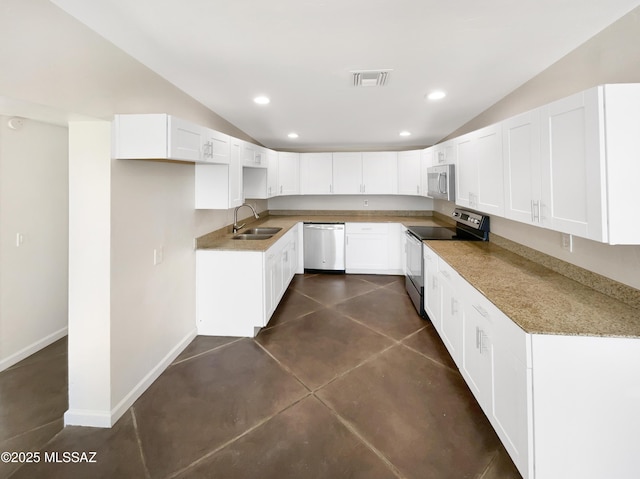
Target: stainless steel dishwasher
[[324, 247]]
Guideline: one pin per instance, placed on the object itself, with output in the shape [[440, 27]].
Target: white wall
[[352, 202], [127, 317], [609, 57], [33, 203]]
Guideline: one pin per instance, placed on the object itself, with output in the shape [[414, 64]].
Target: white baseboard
[[109, 418], [143, 385], [32, 348], [86, 417]]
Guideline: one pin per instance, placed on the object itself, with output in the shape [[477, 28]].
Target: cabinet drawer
[[367, 228], [447, 273], [506, 333]]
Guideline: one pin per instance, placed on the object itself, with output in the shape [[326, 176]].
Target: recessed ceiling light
[[405, 133], [436, 95], [261, 100], [292, 135]]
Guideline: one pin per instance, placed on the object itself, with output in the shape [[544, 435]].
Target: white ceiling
[[300, 54]]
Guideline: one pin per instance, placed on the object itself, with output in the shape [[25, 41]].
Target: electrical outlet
[[366, 202], [158, 254], [567, 242]]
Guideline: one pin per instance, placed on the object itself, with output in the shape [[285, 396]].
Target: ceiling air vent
[[370, 77]]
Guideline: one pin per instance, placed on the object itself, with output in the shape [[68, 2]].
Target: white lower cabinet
[[238, 291], [492, 353], [432, 299], [451, 310], [563, 406], [373, 248]]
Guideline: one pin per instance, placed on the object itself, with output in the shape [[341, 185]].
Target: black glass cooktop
[[443, 233]]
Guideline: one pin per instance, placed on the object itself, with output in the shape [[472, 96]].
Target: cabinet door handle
[[330, 188], [280, 188], [535, 211], [446, 274], [478, 332], [454, 307], [481, 310]]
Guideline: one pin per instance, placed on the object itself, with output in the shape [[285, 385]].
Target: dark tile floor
[[346, 382]]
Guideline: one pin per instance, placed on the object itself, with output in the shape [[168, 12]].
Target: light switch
[[19, 239]]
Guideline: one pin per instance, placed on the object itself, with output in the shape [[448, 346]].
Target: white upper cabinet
[[253, 156], [288, 173], [186, 140], [380, 173], [572, 196], [571, 166], [347, 173], [162, 136], [410, 172], [521, 157], [219, 186], [479, 175], [216, 146], [272, 173], [316, 173], [445, 153], [372, 173]]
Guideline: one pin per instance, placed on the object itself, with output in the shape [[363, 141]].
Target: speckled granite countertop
[[222, 239], [536, 298]]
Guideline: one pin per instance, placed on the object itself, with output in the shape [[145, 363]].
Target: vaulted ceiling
[[301, 55]]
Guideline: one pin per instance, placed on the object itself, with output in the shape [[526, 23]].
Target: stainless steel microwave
[[441, 182]]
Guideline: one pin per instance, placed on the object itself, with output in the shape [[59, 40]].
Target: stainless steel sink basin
[[252, 236], [261, 231]]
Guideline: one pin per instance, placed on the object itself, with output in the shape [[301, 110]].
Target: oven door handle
[[411, 237]]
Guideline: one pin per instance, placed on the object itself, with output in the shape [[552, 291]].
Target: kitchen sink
[[252, 236], [261, 231]]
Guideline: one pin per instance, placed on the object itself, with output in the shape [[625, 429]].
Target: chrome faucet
[[236, 227]]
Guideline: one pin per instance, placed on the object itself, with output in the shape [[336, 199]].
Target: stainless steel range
[[470, 226]]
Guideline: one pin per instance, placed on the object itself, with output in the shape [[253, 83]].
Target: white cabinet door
[[432, 299], [466, 171], [366, 248], [186, 140], [451, 310], [409, 172], [219, 186], [272, 173], [521, 156], [216, 147], [478, 348], [271, 266], [316, 173], [489, 196], [479, 175], [512, 406], [253, 156], [572, 180], [379, 173], [236, 194], [288, 173], [347, 173], [445, 153]]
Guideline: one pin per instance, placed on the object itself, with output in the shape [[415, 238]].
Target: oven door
[[413, 269]]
